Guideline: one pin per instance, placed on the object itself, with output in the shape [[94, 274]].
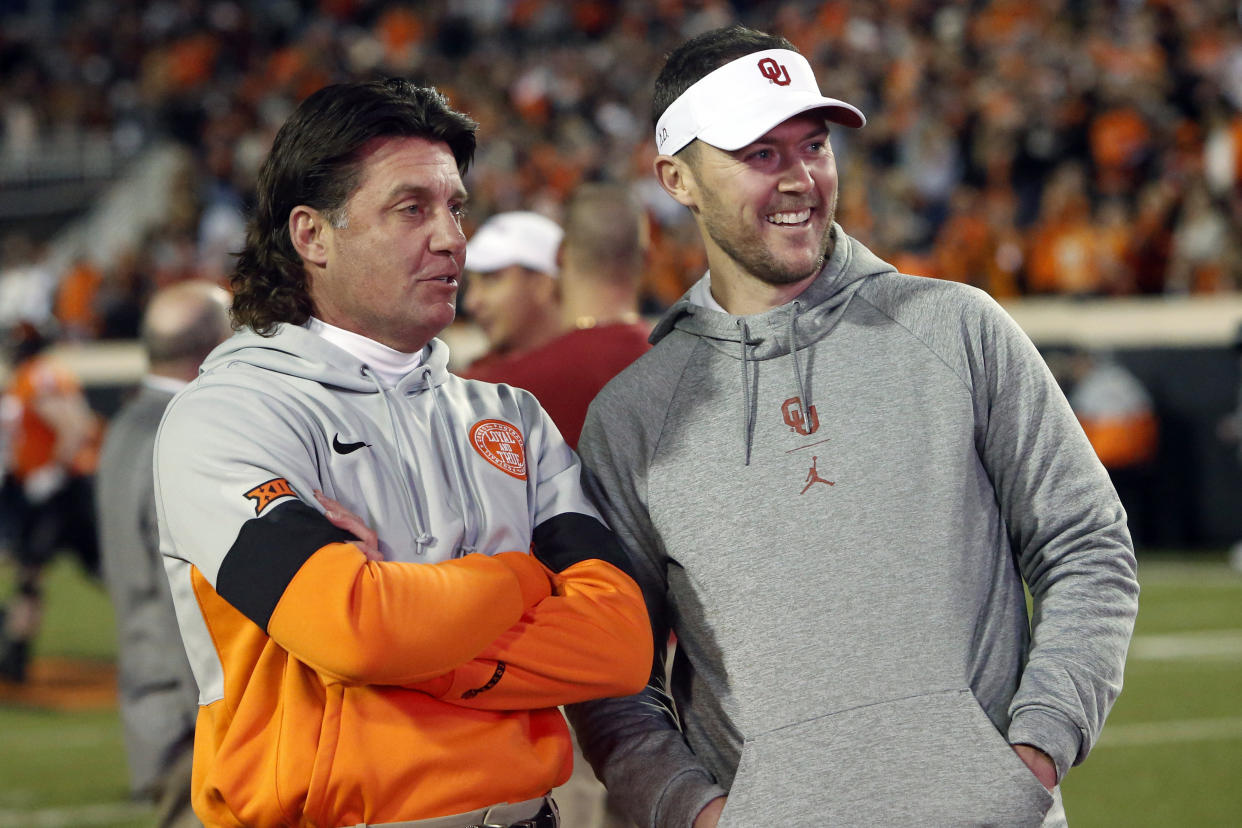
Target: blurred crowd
[[1049, 147]]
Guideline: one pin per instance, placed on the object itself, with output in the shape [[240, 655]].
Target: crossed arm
[[583, 632]]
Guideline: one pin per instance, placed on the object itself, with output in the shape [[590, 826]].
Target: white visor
[[739, 102]]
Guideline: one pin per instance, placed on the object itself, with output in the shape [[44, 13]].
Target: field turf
[[1171, 753]]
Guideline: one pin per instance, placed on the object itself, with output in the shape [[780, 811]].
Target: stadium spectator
[[77, 306], [1119, 418], [1148, 251], [157, 693], [52, 437], [1061, 252], [835, 482], [27, 284], [993, 95], [1203, 256], [414, 666]]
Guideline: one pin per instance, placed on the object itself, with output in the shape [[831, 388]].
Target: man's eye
[[761, 155], [459, 210]]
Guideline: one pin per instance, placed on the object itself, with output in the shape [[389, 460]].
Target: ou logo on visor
[[773, 71]]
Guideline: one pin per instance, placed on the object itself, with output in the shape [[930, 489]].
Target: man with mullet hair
[[857, 652], [386, 577]]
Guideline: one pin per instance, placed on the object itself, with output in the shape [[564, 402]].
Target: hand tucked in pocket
[[1040, 763]]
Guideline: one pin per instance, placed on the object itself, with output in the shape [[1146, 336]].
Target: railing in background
[[55, 177]]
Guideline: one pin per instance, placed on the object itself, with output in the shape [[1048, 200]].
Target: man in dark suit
[[158, 694]]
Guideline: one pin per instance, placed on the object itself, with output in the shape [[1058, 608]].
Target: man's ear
[[308, 230], [677, 179]]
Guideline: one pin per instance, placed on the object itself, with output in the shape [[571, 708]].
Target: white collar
[[158, 382], [390, 365], [701, 294]]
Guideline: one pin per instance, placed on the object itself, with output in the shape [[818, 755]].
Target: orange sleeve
[[590, 639], [366, 622]]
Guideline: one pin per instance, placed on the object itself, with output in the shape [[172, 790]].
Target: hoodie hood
[[780, 331], [297, 352], [769, 334]]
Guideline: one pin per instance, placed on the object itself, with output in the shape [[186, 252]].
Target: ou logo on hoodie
[[500, 444], [791, 409]]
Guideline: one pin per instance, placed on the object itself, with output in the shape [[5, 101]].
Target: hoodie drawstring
[[803, 399], [424, 538], [465, 497], [747, 392], [747, 412]]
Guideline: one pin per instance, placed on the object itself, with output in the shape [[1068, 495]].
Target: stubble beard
[[757, 259]]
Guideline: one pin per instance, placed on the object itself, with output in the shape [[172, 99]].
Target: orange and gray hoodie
[[334, 690], [835, 504]]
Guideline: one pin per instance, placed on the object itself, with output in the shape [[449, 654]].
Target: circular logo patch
[[501, 445]]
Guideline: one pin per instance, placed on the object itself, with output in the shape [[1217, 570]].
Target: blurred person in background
[[396, 565], [1203, 256], [1229, 431], [52, 439], [158, 696], [511, 290], [835, 481], [599, 270], [1119, 418], [27, 281]]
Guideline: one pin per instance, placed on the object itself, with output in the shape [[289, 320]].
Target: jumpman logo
[[812, 477]]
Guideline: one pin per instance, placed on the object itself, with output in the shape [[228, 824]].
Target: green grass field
[[1171, 753]]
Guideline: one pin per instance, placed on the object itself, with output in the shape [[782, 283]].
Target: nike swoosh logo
[[346, 448]]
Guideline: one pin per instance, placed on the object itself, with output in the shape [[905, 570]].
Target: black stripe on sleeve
[[268, 552], [570, 537]]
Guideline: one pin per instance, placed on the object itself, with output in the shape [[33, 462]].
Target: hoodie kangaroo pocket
[[924, 760]]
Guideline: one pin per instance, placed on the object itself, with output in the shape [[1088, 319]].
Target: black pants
[[66, 521]]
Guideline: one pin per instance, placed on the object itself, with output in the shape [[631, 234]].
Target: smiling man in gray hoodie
[[834, 481]]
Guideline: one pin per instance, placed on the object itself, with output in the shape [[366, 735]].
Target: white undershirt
[[701, 294], [389, 365]]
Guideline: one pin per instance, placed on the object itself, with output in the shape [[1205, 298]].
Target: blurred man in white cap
[[834, 481], [511, 289], [599, 330]]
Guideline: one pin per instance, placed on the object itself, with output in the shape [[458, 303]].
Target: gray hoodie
[[834, 505]]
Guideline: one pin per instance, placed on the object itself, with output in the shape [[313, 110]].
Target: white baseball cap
[[519, 238], [739, 102]]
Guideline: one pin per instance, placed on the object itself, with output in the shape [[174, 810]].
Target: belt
[[533, 813]]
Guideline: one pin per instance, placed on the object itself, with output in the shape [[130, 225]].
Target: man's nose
[[447, 235], [796, 177]]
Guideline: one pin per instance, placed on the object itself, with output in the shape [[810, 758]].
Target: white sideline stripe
[[1142, 734], [1206, 644], [100, 813]]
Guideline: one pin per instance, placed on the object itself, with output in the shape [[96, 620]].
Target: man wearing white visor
[[834, 481], [511, 290]]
